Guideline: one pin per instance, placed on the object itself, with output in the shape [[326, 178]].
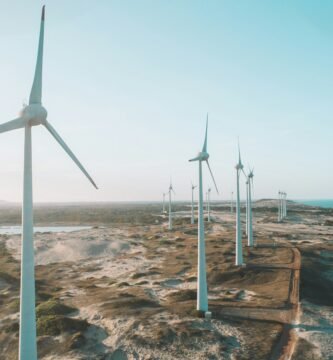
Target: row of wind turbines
[[282, 205], [203, 156], [35, 114]]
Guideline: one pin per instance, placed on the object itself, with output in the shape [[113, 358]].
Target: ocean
[[328, 203]]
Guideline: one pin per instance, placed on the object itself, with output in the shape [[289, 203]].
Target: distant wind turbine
[[232, 202], [239, 250], [202, 296], [170, 210], [279, 206], [32, 115], [192, 204], [163, 210], [249, 209], [247, 206], [282, 212]]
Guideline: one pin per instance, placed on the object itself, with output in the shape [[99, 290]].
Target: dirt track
[[288, 315]]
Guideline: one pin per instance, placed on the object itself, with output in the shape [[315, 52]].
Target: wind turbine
[[208, 203], [202, 296], [249, 209], [285, 204], [247, 206], [32, 115], [192, 204], [232, 202], [279, 206], [239, 250], [170, 213], [163, 210]]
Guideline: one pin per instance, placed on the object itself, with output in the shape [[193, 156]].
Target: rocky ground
[[126, 288]]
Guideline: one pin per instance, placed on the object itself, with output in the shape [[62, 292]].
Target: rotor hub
[[34, 114], [203, 156]]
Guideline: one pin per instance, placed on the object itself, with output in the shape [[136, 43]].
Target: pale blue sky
[[128, 84]]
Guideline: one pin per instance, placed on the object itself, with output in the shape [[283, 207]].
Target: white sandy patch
[[60, 247], [316, 326]]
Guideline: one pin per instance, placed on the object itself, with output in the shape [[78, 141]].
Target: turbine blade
[[204, 148], [211, 173], [239, 154], [12, 125], [195, 159], [68, 151], [36, 90]]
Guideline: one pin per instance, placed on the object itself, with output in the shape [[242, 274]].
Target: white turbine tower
[[239, 249], [163, 210], [232, 202], [202, 296], [208, 203], [32, 115], [285, 205], [170, 210], [192, 204], [249, 209], [279, 207], [247, 206]]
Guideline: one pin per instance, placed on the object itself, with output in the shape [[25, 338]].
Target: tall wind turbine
[[170, 213], [279, 206], [202, 295], [208, 203], [285, 204], [163, 210], [247, 206], [32, 115], [192, 204], [239, 250], [249, 209]]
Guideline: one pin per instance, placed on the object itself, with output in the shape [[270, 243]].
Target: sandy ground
[[78, 245], [101, 270]]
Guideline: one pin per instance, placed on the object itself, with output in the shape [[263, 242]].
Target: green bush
[[53, 307], [55, 325]]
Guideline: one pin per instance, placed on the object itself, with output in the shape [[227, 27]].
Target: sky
[[128, 84]]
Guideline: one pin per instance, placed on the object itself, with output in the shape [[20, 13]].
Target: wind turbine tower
[[170, 210], [163, 210], [279, 206], [192, 204], [202, 294], [247, 206], [31, 115], [250, 219], [239, 250]]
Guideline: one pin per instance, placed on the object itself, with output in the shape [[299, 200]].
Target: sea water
[[327, 203], [17, 229]]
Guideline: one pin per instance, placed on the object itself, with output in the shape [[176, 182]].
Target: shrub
[[55, 324]]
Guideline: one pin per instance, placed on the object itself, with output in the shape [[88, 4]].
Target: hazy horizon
[[128, 85]]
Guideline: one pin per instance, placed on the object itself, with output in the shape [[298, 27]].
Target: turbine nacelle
[[239, 166], [202, 156], [34, 114]]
